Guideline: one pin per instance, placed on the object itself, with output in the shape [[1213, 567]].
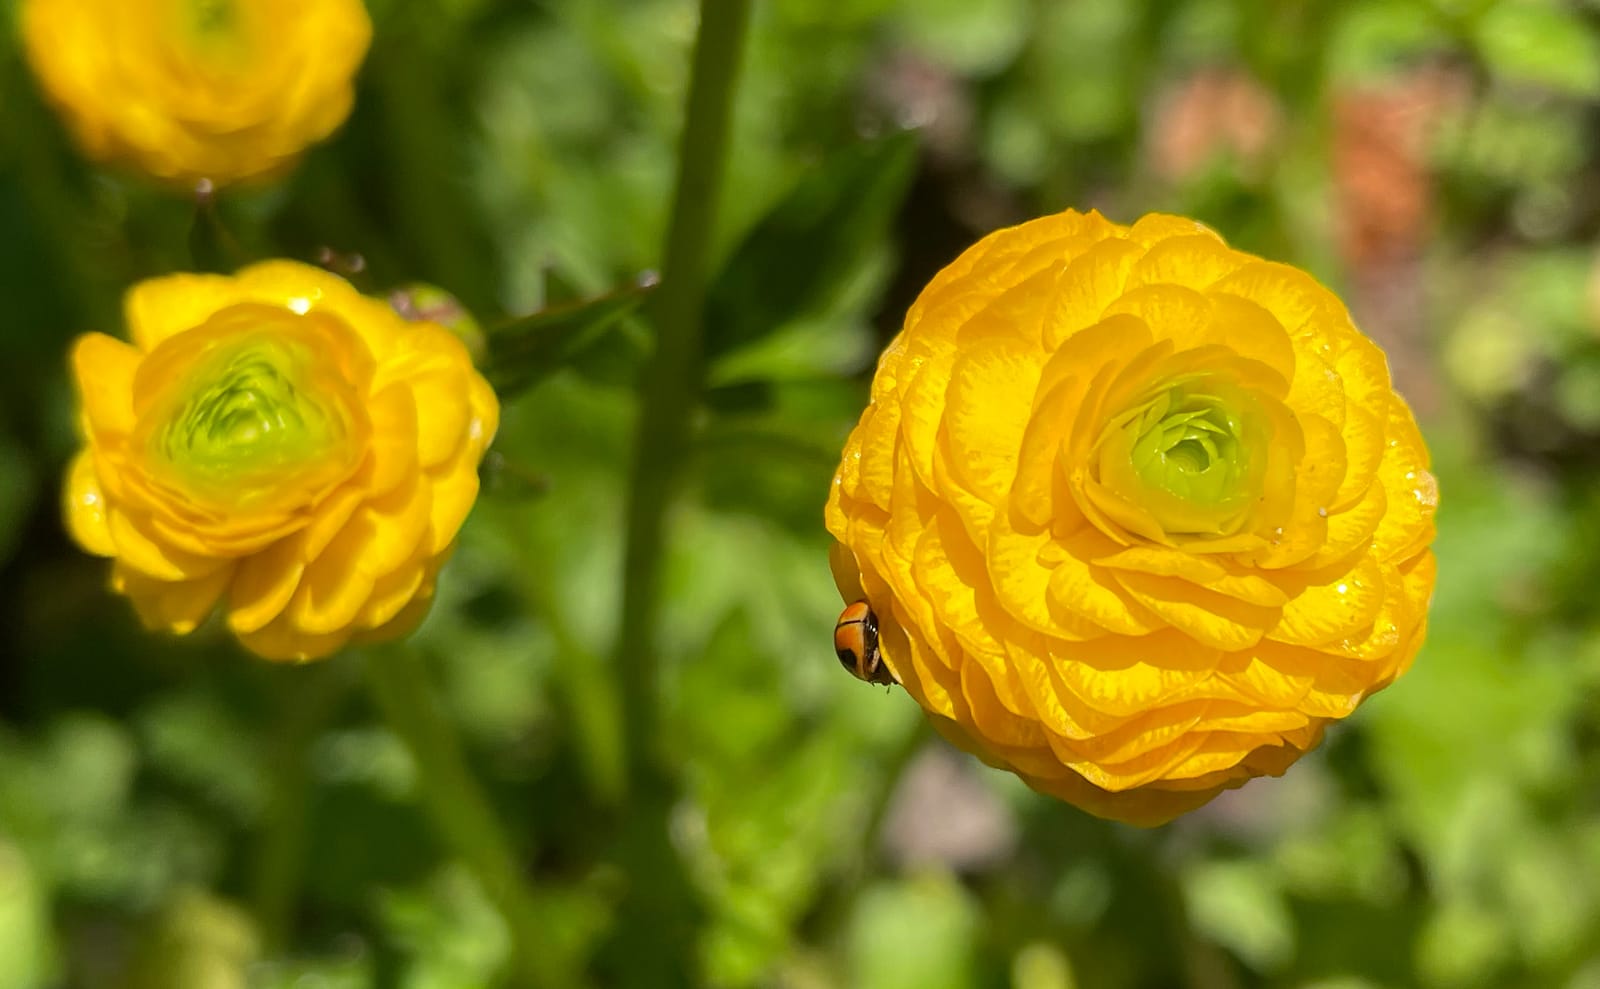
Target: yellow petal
[[1208, 617], [305, 288], [1197, 260], [846, 571], [1153, 228], [1332, 606], [1219, 575], [920, 417], [975, 511], [435, 368], [986, 411], [1129, 676], [173, 606], [1091, 593], [1088, 285], [392, 592], [1294, 298], [105, 370], [285, 641], [392, 455], [84, 508], [949, 574], [139, 550], [1021, 582], [453, 497], [993, 719], [406, 620], [1316, 386], [264, 584], [1259, 674], [1363, 441], [935, 684], [328, 598], [1411, 490], [1038, 493], [159, 308], [1146, 808], [386, 532], [1351, 530]]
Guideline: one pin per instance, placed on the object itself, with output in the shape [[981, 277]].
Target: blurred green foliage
[[175, 815]]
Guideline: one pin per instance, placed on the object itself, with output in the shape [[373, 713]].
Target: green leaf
[[804, 251], [1369, 40], [197, 941], [1543, 45], [918, 934], [1241, 906], [969, 38], [25, 941], [526, 350]]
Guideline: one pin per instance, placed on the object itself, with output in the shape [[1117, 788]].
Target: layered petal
[[281, 447], [1138, 514], [191, 91]]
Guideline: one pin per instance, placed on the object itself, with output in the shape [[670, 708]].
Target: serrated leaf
[[526, 350], [804, 250]]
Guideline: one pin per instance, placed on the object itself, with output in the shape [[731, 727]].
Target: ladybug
[[855, 640]]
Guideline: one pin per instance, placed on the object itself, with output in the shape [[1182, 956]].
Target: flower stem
[[460, 809], [302, 708], [671, 383]]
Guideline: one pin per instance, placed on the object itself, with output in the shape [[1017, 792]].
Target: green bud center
[[251, 417], [251, 412], [213, 16], [1191, 455]]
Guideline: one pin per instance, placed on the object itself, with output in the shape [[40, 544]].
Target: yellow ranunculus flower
[[1139, 514], [276, 442], [198, 89]]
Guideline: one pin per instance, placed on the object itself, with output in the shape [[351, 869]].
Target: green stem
[[671, 385], [302, 707], [655, 940], [587, 692], [460, 809]]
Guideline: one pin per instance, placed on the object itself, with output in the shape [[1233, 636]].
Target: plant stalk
[[460, 809], [672, 380]]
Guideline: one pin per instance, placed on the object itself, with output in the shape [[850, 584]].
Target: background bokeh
[[174, 815]]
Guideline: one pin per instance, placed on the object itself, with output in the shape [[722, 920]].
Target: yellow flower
[[278, 443], [198, 89], [1139, 514]]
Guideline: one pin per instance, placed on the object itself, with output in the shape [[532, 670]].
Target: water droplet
[[1427, 491], [1322, 512], [1343, 588]]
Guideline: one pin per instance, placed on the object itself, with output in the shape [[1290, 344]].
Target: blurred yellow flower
[[278, 443], [198, 89], [1139, 514]]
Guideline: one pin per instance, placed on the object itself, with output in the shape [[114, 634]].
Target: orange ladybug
[[855, 640]]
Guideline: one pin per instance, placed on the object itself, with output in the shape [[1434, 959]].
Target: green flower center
[[251, 417], [211, 17], [1191, 455], [251, 411]]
